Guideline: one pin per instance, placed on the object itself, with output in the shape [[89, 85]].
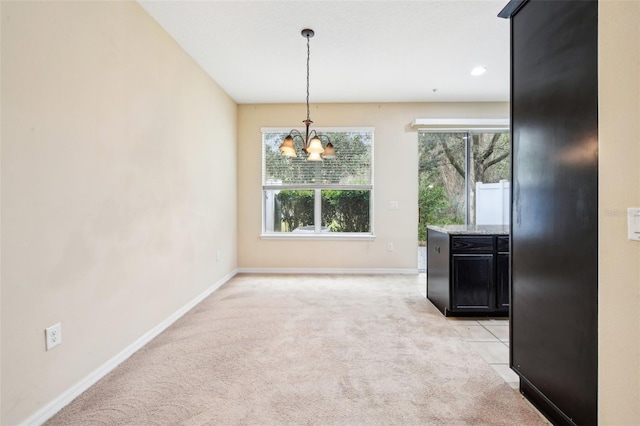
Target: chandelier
[[311, 141]]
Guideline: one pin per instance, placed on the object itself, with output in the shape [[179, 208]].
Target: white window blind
[[351, 169]]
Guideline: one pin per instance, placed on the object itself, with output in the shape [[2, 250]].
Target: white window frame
[[318, 234]]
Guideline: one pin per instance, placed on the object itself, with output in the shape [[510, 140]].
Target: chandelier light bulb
[[315, 146]]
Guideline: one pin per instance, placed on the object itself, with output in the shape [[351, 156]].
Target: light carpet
[[305, 350]]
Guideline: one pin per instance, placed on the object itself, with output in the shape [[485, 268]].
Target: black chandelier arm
[[296, 134], [314, 134], [325, 137]]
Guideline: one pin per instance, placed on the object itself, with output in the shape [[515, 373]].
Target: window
[[319, 198], [464, 177]]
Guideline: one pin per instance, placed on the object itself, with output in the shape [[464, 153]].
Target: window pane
[[289, 210], [489, 180], [442, 195], [346, 210]]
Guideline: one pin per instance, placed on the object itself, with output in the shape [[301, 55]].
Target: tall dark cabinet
[[554, 231]]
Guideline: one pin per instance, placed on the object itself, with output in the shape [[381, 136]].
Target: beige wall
[[619, 170], [118, 187], [395, 179]]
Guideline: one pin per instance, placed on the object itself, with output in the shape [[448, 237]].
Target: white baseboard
[[46, 412], [337, 271]]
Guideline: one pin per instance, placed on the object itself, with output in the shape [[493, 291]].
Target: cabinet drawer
[[472, 244], [503, 244]]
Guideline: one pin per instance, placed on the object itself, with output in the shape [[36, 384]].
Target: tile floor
[[489, 337]]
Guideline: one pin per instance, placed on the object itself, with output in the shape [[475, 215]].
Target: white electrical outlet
[[218, 256], [393, 205], [389, 246], [53, 335]]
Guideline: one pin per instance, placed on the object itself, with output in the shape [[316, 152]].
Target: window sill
[[312, 236]]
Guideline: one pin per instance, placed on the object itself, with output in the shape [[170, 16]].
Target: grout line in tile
[[456, 321]]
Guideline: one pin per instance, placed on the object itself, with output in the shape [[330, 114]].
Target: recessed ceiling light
[[478, 71]]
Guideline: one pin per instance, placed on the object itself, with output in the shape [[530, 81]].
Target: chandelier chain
[[311, 141], [308, 54]]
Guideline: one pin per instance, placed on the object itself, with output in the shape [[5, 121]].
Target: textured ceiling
[[363, 51]]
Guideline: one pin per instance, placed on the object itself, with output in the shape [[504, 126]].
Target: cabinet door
[[502, 281], [472, 282]]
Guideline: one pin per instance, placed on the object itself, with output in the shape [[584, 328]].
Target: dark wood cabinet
[[554, 235], [467, 274]]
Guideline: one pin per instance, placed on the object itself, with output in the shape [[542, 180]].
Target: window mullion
[[317, 211], [467, 178]]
